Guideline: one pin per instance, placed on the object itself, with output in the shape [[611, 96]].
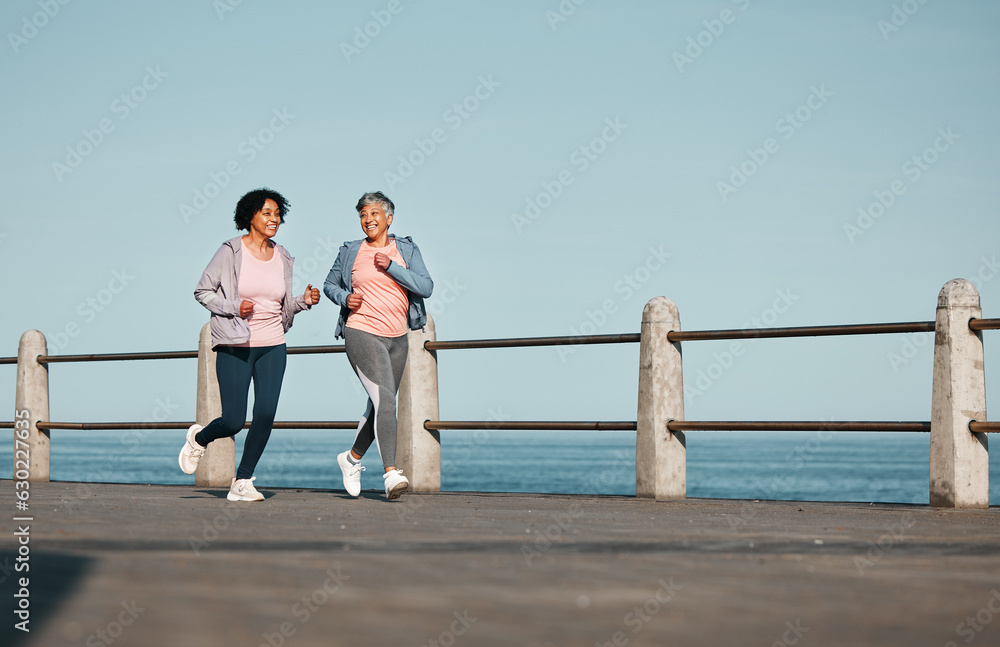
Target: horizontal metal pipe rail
[[523, 425], [8, 360], [675, 425], [182, 354], [113, 426], [685, 425], [783, 425], [693, 335], [6, 424], [567, 340], [117, 357], [316, 350], [984, 324], [802, 331]]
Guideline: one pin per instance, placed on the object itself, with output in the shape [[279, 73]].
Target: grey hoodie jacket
[[218, 291]]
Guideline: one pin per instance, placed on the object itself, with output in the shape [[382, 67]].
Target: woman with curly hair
[[247, 287]]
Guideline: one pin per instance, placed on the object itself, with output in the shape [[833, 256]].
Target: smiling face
[[265, 222], [374, 222]]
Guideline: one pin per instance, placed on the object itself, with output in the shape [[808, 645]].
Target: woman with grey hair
[[380, 283]]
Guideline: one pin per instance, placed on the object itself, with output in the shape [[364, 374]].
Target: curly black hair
[[252, 202]]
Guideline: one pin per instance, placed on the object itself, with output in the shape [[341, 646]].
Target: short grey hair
[[376, 197]]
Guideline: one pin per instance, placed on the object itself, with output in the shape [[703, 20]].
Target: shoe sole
[[237, 497], [397, 491]]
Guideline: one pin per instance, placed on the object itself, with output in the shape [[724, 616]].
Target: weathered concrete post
[[217, 467], [31, 404], [418, 451], [660, 456], [959, 458]]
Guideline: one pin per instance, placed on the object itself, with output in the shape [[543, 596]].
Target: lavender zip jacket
[[218, 292]]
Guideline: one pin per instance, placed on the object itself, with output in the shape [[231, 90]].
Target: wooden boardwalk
[[179, 565]]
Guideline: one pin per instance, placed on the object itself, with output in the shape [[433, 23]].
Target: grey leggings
[[378, 362]]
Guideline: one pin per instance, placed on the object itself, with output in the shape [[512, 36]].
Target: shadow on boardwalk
[[179, 565]]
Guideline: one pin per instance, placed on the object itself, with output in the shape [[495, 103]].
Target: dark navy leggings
[[235, 366]]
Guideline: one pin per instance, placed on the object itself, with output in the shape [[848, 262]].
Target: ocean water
[[822, 466]]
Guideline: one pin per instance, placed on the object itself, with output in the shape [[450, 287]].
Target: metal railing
[[802, 331], [785, 425], [529, 425], [984, 324], [159, 355], [112, 426], [565, 340], [663, 475], [522, 342], [697, 335], [181, 354], [116, 357], [665, 326]]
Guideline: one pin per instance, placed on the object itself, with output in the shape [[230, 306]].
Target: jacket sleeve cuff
[[299, 304]]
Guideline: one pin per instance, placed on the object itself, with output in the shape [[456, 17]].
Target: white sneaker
[[191, 452], [395, 484], [243, 490], [352, 473]]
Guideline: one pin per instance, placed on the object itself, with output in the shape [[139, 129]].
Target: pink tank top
[[263, 282], [383, 310]]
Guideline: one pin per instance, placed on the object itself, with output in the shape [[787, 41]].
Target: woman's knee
[[232, 425], [263, 420], [386, 396], [387, 408], [265, 409]]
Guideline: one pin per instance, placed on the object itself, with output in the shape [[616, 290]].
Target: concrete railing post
[[418, 451], [959, 458], [660, 456], [218, 466], [31, 404]]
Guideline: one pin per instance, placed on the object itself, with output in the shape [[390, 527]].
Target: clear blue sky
[[558, 170]]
